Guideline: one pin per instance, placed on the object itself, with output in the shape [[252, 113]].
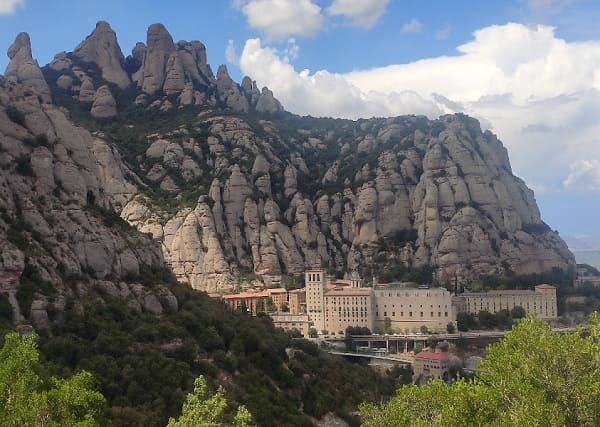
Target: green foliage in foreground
[[29, 399], [146, 364], [203, 409], [534, 377]]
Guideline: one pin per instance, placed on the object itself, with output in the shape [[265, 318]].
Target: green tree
[[466, 321], [518, 312], [28, 399], [533, 377], [204, 409], [450, 328]]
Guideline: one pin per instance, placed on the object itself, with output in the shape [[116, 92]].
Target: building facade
[[541, 301], [431, 365], [297, 301], [406, 308], [348, 307], [290, 322], [315, 282]]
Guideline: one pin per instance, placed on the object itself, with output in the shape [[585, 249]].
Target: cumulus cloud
[[539, 93], [324, 93], [414, 26], [9, 6], [279, 19], [584, 175], [363, 13]]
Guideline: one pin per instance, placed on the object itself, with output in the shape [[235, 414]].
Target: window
[[410, 314], [421, 314]]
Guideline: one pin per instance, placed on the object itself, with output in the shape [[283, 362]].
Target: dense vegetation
[[144, 365], [30, 397], [533, 377]]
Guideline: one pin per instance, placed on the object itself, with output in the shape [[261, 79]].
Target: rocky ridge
[[230, 186], [59, 189]]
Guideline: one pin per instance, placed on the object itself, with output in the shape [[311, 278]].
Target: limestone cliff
[[59, 234], [229, 185]]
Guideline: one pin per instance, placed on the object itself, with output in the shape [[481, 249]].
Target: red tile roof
[[545, 286], [431, 355]]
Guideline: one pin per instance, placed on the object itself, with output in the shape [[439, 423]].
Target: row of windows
[[410, 314], [410, 306], [314, 277]]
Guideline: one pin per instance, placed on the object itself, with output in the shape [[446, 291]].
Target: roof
[[314, 270], [509, 292], [431, 355], [545, 286], [277, 291], [263, 294], [298, 291], [348, 292]]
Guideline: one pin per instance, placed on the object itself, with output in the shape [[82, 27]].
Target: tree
[[450, 328], [558, 384], [26, 398], [203, 409], [518, 312], [466, 321], [486, 319]]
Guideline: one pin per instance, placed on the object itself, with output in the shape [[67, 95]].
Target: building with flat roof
[[290, 322], [407, 308], [541, 301], [297, 301], [279, 297], [344, 307]]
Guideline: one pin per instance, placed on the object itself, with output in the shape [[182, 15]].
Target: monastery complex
[[331, 305]]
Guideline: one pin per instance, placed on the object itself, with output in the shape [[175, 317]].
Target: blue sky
[[529, 70]]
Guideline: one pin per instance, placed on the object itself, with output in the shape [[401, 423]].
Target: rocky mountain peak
[[23, 69], [21, 46], [159, 47], [102, 48]]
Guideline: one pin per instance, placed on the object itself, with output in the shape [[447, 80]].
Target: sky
[[528, 70]]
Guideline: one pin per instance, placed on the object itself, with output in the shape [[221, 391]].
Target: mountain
[[232, 186], [117, 173]]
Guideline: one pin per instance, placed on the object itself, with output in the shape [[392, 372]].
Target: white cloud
[[584, 175], [9, 6], [414, 26], [231, 53], [279, 19], [539, 93], [363, 13], [291, 51]]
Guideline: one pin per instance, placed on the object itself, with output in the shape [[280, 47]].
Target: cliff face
[[229, 185], [59, 188]]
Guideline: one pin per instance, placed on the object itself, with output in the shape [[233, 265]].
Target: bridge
[[377, 345], [396, 358]]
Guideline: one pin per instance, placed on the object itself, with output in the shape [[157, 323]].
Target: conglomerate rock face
[[60, 187], [228, 185]]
